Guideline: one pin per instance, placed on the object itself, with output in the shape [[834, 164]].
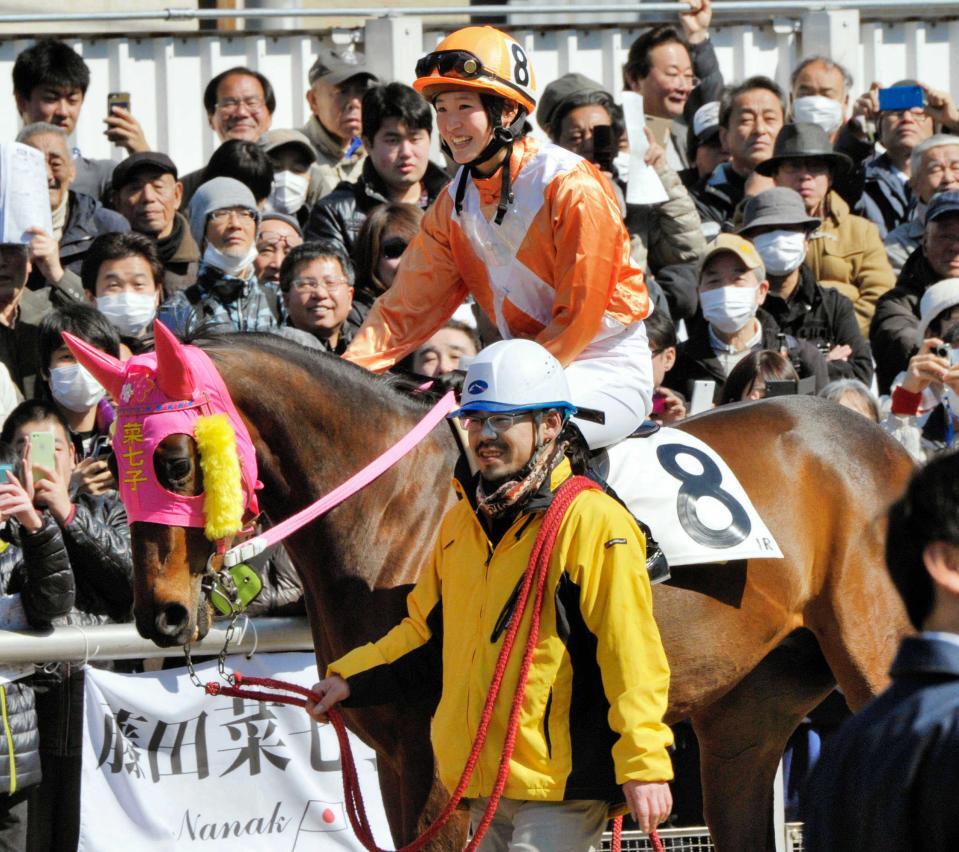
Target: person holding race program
[[531, 230], [591, 735]]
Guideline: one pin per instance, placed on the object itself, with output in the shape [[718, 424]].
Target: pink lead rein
[[254, 546]]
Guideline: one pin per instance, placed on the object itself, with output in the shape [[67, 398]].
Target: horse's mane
[[332, 371]]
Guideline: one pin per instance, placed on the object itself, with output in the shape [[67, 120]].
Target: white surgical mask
[[212, 256], [782, 251], [825, 112], [289, 192], [129, 312], [728, 309], [75, 388]]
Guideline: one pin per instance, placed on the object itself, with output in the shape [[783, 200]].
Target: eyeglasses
[[271, 242], [393, 248], [333, 286], [254, 103], [675, 77], [498, 423], [241, 214], [459, 65]]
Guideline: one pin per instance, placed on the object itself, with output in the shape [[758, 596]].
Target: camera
[[943, 351]]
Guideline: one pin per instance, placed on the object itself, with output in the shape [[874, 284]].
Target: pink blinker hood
[[159, 394]]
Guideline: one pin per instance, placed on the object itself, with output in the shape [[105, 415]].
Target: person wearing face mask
[[121, 275], [924, 412], [819, 93], [732, 287], [77, 396], [147, 192], [227, 295], [776, 223], [296, 177]]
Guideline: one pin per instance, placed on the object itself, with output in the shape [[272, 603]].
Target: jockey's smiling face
[[462, 122], [501, 454]]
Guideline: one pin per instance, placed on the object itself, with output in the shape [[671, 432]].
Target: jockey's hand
[[333, 690], [649, 802], [925, 367]]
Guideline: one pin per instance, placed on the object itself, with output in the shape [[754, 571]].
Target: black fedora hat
[[804, 141]]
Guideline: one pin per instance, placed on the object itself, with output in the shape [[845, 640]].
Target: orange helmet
[[481, 58]]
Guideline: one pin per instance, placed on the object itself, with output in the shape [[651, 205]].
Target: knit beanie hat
[[218, 194]]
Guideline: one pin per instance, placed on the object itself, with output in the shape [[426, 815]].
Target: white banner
[[167, 767]]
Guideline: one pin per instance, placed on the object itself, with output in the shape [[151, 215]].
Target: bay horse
[[753, 645]]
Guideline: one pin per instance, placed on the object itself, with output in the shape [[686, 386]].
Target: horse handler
[[591, 734]]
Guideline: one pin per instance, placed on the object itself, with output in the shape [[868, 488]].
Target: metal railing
[[724, 7], [122, 642]]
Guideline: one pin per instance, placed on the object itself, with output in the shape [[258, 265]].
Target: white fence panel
[[166, 74]]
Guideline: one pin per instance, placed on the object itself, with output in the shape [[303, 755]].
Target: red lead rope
[[536, 572]]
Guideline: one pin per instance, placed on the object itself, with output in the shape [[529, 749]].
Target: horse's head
[[187, 476]]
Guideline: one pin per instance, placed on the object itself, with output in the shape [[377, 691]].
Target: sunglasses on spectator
[[393, 248], [254, 103], [458, 64]]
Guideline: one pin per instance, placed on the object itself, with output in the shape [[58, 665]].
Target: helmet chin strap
[[503, 138]]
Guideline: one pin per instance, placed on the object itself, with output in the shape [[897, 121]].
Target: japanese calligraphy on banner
[[167, 767]]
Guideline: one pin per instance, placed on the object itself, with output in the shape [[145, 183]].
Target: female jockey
[[531, 230]]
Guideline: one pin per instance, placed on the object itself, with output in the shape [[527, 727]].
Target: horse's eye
[[179, 468]]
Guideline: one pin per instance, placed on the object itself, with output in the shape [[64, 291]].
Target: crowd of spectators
[[808, 239]]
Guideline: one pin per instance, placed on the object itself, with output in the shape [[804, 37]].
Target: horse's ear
[[106, 369], [174, 376]]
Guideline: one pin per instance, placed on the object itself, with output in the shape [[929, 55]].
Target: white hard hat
[[515, 375]]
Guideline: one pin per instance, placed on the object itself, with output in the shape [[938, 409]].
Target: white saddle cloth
[[690, 499]]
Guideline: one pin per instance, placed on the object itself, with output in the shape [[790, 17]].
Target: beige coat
[[847, 253]]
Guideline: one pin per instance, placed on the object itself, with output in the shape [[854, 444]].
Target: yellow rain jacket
[[557, 267], [592, 717]]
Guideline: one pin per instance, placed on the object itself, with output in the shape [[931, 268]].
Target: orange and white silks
[[557, 270]]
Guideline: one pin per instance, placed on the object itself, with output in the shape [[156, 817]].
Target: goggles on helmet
[[460, 65]]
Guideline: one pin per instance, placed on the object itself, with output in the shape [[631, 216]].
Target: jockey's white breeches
[[614, 374]]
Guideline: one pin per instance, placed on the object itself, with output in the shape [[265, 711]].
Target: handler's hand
[[649, 802], [333, 690]]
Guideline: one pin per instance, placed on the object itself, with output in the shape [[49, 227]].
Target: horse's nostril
[[171, 619]]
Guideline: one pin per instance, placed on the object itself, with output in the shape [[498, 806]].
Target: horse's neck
[[310, 440]]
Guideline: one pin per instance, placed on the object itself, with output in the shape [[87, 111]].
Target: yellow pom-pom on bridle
[[223, 503]]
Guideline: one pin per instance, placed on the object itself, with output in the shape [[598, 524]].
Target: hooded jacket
[[597, 691], [571, 268]]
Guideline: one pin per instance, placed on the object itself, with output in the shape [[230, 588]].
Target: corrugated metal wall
[[166, 74]]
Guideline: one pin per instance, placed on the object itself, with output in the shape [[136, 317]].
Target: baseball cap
[[942, 204], [273, 216], [273, 139], [743, 249], [937, 298], [338, 66], [125, 170]]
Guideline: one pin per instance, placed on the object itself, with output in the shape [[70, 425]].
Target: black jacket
[[718, 196], [98, 571], [896, 321], [86, 220], [826, 318], [339, 216], [39, 572], [889, 780], [696, 360]]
